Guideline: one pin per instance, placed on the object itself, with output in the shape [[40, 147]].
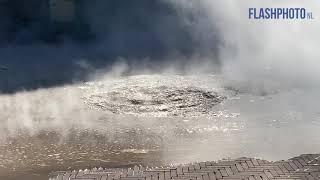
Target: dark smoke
[[40, 52]]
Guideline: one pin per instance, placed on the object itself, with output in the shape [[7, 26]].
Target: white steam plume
[[263, 53]]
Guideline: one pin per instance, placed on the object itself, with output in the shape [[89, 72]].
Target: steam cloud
[[162, 35], [266, 54], [152, 34], [256, 55], [158, 36]]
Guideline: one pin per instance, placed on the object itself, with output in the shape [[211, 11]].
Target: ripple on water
[[156, 96]]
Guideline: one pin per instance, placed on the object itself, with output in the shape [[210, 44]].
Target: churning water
[[152, 120]]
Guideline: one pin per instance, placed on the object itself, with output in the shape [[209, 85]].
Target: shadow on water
[[40, 52]]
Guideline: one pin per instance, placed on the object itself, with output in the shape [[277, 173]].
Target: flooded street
[[150, 120]]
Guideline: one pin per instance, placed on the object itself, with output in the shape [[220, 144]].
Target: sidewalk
[[304, 167]]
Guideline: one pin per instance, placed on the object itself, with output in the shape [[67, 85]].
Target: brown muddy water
[[34, 157]]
